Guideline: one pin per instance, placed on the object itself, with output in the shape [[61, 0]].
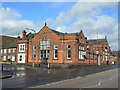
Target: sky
[[90, 17]]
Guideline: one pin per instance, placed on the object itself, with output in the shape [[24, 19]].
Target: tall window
[[21, 47], [1, 50], [68, 51], [95, 56], [4, 58], [91, 56], [14, 49], [20, 59], [9, 50], [55, 51], [9, 57], [44, 49], [88, 55], [5, 50], [81, 49], [34, 52]]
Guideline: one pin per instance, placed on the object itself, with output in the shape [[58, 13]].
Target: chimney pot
[[23, 34]]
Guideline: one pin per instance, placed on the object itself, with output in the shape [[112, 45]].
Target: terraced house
[[8, 48], [61, 49]]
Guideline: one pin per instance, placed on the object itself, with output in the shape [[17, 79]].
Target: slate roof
[[29, 36], [60, 33], [8, 42], [97, 41], [57, 32]]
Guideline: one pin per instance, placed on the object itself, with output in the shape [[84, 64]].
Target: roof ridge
[[8, 36], [95, 39]]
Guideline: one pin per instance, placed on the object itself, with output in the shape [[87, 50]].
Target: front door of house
[[21, 58]]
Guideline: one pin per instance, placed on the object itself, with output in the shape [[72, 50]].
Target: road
[[26, 77], [106, 79]]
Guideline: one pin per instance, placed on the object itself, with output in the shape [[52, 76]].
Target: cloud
[[86, 16], [10, 24]]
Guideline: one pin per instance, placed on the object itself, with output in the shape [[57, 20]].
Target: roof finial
[[45, 24]]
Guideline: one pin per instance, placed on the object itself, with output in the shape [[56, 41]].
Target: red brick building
[[8, 48], [61, 48]]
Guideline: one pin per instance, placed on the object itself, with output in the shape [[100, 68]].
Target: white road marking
[[113, 77], [99, 83]]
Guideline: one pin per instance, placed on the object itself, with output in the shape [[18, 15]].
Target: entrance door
[[21, 58]]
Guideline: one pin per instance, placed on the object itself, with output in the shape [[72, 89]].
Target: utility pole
[[33, 43]]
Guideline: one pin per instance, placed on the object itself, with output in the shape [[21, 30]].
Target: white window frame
[[9, 57], [5, 50], [23, 57], [55, 48], [4, 58], [34, 52], [14, 49], [67, 50], [1, 51], [44, 47], [13, 58], [21, 48], [9, 50], [81, 49]]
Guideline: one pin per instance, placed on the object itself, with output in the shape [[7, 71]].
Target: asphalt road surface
[[106, 79], [93, 76]]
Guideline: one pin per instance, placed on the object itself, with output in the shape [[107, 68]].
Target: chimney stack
[[23, 34]]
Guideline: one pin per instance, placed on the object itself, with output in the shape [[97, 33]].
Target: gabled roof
[[97, 41], [8, 42]]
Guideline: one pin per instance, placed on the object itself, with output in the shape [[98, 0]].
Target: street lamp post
[[97, 51], [34, 42]]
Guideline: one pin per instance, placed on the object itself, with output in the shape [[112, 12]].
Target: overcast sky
[[91, 17]]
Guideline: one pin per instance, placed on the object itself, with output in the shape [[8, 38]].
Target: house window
[[4, 58], [5, 50], [9, 57], [14, 49], [9, 50], [106, 58], [21, 47], [88, 55], [81, 38], [34, 52], [95, 56], [44, 49], [13, 58], [20, 59], [81, 48], [1, 50], [55, 51], [91, 56], [68, 51]]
